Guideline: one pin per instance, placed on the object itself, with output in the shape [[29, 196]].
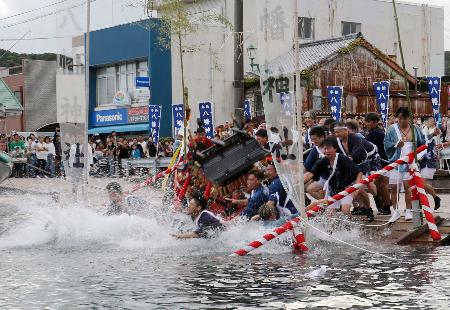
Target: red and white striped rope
[[299, 240], [267, 237], [353, 188], [288, 226], [418, 193]]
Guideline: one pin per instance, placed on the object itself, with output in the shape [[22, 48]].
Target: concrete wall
[[209, 71], [12, 123], [40, 93]]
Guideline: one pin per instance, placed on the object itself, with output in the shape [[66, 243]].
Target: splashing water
[[66, 254]]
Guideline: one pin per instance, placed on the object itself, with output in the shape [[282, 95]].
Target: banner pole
[[298, 101]]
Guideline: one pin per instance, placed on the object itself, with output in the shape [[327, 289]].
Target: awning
[[121, 128]]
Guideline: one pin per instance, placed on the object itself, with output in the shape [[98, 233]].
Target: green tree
[[11, 59], [174, 24]]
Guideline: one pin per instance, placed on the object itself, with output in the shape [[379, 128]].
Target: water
[[64, 256]]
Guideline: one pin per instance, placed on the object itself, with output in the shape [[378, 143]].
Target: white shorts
[[396, 177], [428, 173], [347, 200]]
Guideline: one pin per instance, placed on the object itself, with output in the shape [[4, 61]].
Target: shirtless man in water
[[122, 203], [117, 204]]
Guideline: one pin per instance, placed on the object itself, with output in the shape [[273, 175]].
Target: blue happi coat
[[391, 140]]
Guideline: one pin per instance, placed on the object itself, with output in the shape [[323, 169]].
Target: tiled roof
[[7, 98], [310, 54]]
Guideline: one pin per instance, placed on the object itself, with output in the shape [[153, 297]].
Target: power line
[[33, 10], [36, 38], [15, 43], [44, 15]]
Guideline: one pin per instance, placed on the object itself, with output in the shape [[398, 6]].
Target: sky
[[54, 31]]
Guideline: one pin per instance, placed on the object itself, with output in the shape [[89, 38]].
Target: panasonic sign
[[110, 117]]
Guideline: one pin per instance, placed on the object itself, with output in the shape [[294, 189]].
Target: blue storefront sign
[[142, 81], [109, 117]]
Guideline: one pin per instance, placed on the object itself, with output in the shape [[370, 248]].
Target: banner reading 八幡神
[[178, 118], [205, 109], [247, 110], [382, 93], [155, 122], [335, 100], [434, 88]]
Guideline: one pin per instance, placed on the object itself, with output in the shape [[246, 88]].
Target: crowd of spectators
[[34, 156], [37, 155]]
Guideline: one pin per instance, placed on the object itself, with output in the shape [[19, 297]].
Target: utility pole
[[86, 72], [238, 59], [298, 102]]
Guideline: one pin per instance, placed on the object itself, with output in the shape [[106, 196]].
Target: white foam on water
[[318, 273], [43, 222]]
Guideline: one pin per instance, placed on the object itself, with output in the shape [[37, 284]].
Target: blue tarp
[[120, 128]]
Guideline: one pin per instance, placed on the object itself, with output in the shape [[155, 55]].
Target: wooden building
[[354, 63]]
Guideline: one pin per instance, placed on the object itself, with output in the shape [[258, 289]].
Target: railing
[[154, 164]]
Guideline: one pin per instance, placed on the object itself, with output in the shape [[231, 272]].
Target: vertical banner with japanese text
[[275, 32], [206, 115], [247, 110], [434, 88], [335, 94], [178, 118], [382, 92], [155, 122]]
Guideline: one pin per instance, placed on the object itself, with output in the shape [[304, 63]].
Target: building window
[[143, 68], [306, 28], [131, 78], [121, 77], [350, 28], [106, 85]]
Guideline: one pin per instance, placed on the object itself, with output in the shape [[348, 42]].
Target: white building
[[421, 26], [268, 25]]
